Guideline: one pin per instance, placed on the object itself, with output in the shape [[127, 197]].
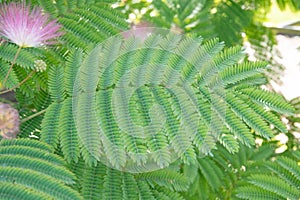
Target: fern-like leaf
[[34, 173]]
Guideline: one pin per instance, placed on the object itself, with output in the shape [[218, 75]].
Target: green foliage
[[232, 21], [205, 18], [30, 167], [68, 136], [12, 80], [101, 182], [97, 22], [39, 102], [49, 133], [167, 116], [234, 114], [292, 4], [247, 174], [60, 7], [25, 59], [106, 183], [280, 182]]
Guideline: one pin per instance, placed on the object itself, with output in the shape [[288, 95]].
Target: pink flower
[[25, 27], [9, 121]]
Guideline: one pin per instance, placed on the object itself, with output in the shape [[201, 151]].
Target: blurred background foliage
[[233, 21]]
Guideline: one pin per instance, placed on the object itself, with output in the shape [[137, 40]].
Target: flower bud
[[40, 65]]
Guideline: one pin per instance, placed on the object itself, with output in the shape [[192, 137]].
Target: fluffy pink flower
[[26, 27], [9, 121]]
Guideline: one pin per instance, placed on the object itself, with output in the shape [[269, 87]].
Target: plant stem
[[33, 116], [12, 64], [18, 85], [3, 100]]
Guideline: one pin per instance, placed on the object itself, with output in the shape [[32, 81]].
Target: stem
[[12, 64], [3, 100], [33, 116], [16, 86]]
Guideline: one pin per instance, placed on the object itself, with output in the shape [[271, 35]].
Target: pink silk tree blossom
[[26, 27], [9, 121]]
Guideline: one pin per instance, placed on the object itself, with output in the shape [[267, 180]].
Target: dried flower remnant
[[9, 121], [25, 27], [142, 31]]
